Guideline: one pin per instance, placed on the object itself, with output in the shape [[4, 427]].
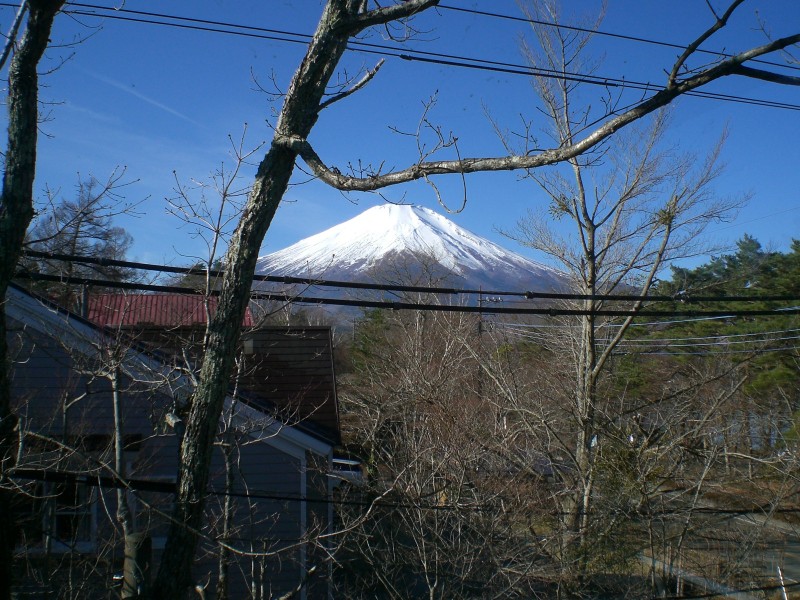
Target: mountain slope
[[390, 239]]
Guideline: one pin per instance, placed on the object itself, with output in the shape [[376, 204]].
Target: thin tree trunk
[[228, 446], [124, 515], [16, 212], [227, 517]]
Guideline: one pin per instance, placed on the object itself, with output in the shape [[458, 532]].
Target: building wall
[[62, 393]]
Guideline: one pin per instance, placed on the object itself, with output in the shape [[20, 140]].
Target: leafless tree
[[448, 521], [630, 206], [410, 408], [627, 225], [16, 212], [210, 208], [83, 226]]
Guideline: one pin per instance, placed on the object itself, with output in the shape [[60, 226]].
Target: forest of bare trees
[[470, 434]]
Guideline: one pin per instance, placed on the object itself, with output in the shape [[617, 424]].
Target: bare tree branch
[[357, 86], [692, 48], [731, 66], [767, 75], [11, 38], [387, 14]]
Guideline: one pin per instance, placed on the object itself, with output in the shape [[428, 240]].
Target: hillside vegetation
[[468, 431]]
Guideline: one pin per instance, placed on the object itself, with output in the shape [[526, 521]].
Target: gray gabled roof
[[86, 338]]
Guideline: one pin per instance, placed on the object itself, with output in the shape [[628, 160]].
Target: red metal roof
[[154, 310], [288, 370]]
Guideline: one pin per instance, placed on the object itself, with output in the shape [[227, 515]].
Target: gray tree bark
[[16, 212], [340, 20]]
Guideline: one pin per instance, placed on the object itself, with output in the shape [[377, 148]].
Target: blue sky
[[161, 100]]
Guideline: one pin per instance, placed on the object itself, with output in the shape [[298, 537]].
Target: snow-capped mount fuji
[[373, 246]]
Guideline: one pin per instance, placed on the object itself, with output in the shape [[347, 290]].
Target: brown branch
[[384, 15], [360, 84], [767, 75], [421, 170], [691, 48], [11, 39]]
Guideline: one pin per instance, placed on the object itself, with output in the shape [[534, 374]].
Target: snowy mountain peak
[[356, 247]]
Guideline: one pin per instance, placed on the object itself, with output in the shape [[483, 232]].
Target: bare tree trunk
[[174, 572], [227, 517], [228, 447], [298, 116], [16, 213], [137, 546], [123, 508]]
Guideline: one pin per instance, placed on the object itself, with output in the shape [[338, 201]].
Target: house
[[287, 370], [98, 411]]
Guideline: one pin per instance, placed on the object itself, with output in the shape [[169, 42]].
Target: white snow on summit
[[360, 244]]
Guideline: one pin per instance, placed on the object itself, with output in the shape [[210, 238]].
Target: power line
[[653, 346], [289, 280], [655, 343], [307, 37], [712, 353], [655, 350], [726, 337], [681, 298], [608, 82], [420, 306], [168, 487], [227, 28], [602, 33], [646, 324]]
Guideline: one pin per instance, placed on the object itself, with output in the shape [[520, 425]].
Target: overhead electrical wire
[[283, 297], [602, 33], [604, 325], [644, 345], [760, 351], [682, 298], [665, 351], [307, 37], [227, 28], [723, 348], [725, 336], [412, 55], [167, 487], [720, 341], [675, 347]]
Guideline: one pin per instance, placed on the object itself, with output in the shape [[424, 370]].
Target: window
[[59, 517], [72, 507]]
